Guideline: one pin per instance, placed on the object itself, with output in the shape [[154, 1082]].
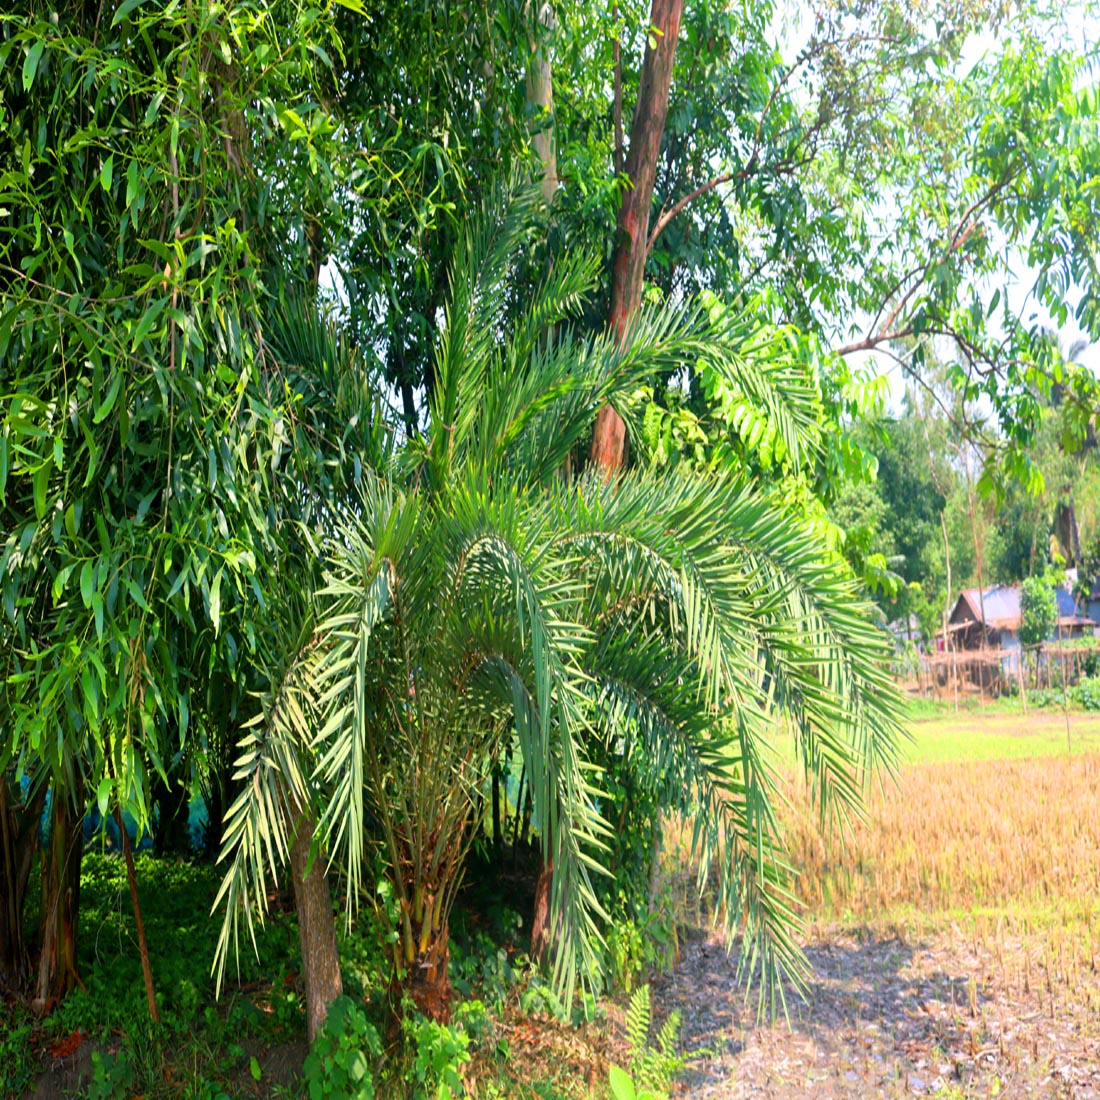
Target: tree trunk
[[18, 844], [540, 922], [426, 979], [57, 972], [540, 95], [632, 225], [139, 923], [316, 927]]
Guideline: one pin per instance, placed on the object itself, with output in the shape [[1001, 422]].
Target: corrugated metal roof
[[1001, 604]]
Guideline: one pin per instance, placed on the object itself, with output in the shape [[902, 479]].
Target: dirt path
[[942, 1015]]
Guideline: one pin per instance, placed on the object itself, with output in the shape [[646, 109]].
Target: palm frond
[[274, 787], [691, 757], [472, 331], [367, 559]]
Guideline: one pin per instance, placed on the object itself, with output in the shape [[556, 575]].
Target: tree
[[872, 153], [473, 596], [154, 161], [1038, 611]]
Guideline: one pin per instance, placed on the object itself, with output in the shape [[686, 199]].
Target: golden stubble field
[[1016, 838], [954, 932]]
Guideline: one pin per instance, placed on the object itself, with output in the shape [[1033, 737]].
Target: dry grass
[[1016, 837], [983, 875]]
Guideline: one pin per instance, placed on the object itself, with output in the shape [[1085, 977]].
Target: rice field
[[954, 934], [993, 815]]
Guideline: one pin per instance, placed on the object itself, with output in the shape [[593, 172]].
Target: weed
[[339, 1064], [439, 1054], [112, 1077], [652, 1067]]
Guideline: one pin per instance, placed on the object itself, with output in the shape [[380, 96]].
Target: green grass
[[1001, 735]]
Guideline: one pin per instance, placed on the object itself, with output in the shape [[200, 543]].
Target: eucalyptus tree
[[866, 173], [475, 596]]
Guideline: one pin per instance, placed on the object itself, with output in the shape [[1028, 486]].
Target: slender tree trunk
[[139, 923], [540, 94], [316, 926], [632, 224], [57, 972], [18, 844]]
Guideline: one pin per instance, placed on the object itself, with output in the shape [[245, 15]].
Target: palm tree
[[474, 594]]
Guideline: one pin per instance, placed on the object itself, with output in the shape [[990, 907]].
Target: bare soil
[[949, 1014]]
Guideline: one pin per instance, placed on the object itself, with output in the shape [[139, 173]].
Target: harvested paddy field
[[954, 933]]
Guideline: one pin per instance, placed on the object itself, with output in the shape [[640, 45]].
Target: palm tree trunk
[[427, 953], [540, 922], [316, 926]]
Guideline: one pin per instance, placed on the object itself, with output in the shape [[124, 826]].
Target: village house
[[990, 619]]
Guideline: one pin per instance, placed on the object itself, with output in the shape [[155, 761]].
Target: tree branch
[[667, 215]]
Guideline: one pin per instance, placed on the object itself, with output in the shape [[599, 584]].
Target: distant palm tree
[[475, 594]]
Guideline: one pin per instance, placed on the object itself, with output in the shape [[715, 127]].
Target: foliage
[[671, 615], [339, 1064], [652, 1067], [1038, 610], [156, 164], [1085, 694], [15, 1066], [438, 1054], [112, 1077]]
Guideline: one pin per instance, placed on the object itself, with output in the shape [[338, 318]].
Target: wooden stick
[[143, 947]]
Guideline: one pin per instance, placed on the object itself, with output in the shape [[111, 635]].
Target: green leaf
[[216, 601], [30, 63], [124, 10], [41, 487], [87, 583], [137, 595], [103, 795], [622, 1087], [254, 1069], [145, 324], [104, 409], [107, 172]]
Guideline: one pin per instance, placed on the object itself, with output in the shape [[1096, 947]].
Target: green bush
[[439, 1054], [338, 1067]]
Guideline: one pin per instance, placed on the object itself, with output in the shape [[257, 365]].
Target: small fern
[[651, 1067], [637, 1022]]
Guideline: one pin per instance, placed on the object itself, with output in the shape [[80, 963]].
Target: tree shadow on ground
[[881, 1017]]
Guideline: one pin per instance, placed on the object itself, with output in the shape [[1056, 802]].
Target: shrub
[[338, 1067]]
